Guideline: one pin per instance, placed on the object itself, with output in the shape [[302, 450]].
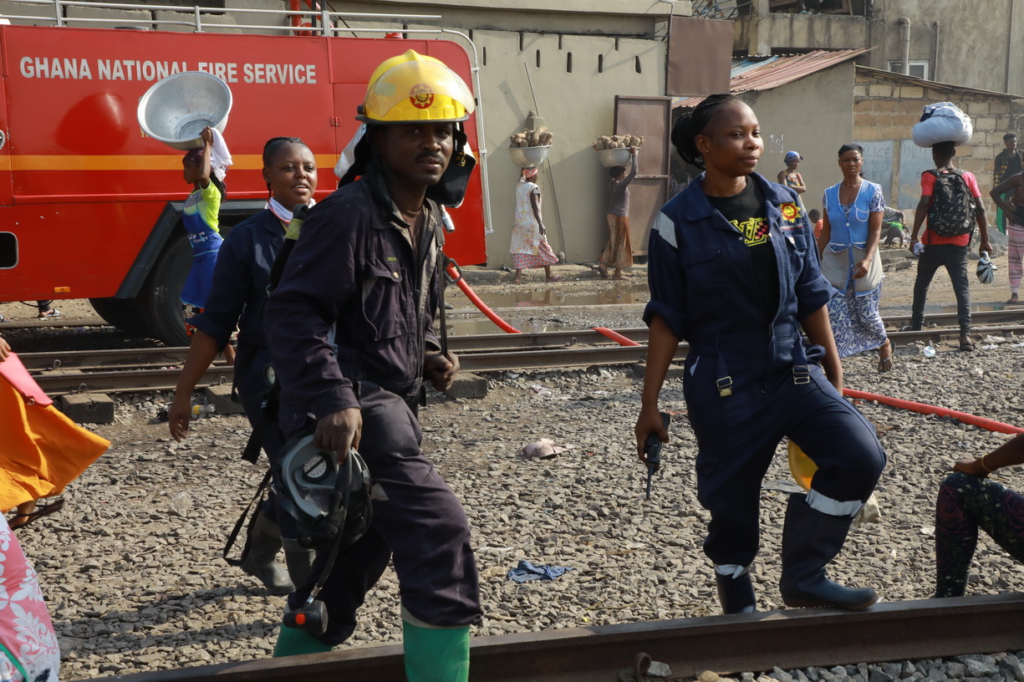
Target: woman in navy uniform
[[733, 271]]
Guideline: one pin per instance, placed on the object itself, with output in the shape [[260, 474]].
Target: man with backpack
[[951, 201]]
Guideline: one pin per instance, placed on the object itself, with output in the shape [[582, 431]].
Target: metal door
[[652, 118]]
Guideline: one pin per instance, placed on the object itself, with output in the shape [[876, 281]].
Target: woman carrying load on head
[[237, 293], [733, 271], [201, 218], [530, 248], [618, 253], [850, 260]]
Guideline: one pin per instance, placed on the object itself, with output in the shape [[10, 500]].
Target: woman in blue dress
[[848, 244], [732, 270]]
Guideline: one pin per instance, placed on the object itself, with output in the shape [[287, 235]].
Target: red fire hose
[[455, 275], [924, 408], [616, 337]]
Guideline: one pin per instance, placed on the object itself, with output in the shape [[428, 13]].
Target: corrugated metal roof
[[913, 80], [770, 73]]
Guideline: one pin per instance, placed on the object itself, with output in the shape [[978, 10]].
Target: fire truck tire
[[161, 292], [127, 314]]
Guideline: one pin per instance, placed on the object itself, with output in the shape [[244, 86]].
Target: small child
[[815, 217]]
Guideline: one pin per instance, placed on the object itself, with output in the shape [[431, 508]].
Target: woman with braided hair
[[733, 271]]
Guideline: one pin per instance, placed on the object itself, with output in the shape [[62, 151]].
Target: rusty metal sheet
[[699, 56], [652, 118]]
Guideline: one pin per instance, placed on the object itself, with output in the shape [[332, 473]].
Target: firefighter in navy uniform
[[733, 271], [350, 329]]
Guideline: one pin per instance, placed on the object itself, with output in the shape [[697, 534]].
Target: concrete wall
[[975, 45], [576, 106], [978, 42], [759, 34], [812, 116], [885, 111]]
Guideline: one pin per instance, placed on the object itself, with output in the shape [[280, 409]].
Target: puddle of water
[[482, 325], [613, 294]]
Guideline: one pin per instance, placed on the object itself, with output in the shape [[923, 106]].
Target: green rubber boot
[[435, 654], [292, 642]]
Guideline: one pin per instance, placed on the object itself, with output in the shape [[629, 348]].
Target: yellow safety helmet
[[413, 88], [801, 466]]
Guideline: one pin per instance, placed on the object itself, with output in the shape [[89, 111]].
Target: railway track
[[788, 639], [155, 369], [980, 317]]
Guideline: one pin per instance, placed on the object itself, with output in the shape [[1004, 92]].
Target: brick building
[[886, 107]]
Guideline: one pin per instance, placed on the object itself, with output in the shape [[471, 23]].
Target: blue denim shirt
[[239, 289], [703, 286]]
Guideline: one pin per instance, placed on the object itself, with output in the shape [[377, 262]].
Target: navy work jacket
[[356, 302], [236, 295], [703, 286]]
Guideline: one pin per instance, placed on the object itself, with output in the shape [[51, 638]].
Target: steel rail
[[788, 639], [477, 354], [460, 344], [981, 317]]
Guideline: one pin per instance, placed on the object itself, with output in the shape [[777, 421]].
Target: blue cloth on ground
[[526, 572]]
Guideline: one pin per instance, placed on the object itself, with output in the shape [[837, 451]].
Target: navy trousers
[[737, 436], [417, 521]]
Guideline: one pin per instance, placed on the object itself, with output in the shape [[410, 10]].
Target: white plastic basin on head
[[610, 158], [529, 157], [177, 108]]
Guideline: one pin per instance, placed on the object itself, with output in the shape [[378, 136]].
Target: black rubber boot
[[736, 595], [299, 561], [263, 549], [810, 540]]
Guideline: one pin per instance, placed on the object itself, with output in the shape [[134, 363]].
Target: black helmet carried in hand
[[326, 499]]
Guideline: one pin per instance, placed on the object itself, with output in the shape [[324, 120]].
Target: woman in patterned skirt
[[618, 253], [848, 244], [530, 248], [969, 500]]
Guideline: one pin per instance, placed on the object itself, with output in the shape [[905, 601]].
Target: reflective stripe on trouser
[[417, 520], [737, 437]]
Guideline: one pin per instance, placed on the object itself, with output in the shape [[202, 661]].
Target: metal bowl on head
[[529, 157], [177, 108], [610, 158]]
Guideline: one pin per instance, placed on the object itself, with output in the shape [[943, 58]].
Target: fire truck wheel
[[127, 314], [161, 293]]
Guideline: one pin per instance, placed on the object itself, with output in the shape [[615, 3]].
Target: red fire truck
[[90, 207]]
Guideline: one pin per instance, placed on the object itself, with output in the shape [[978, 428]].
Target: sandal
[[554, 278], [1012, 300], [52, 312], [37, 512], [886, 364], [602, 271]]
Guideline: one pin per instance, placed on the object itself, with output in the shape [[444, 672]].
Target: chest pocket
[[385, 300], [702, 265]]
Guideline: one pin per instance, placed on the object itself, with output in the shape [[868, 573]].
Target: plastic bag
[[943, 122]]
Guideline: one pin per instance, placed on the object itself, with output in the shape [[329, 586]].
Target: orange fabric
[[41, 450]]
